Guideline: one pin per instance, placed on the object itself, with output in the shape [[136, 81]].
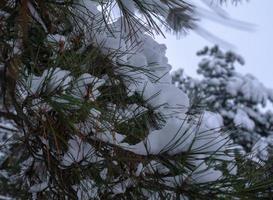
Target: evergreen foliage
[[242, 100], [88, 110]]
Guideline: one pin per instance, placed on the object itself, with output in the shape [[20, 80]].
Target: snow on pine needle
[[91, 112]]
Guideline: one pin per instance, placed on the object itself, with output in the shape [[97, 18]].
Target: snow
[[262, 149], [242, 100], [36, 15], [152, 82], [212, 120], [203, 173], [249, 87], [84, 83], [90, 125], [121, 187], [127, 113], [270, 93], [155, 166], [209, 138], [169, 100], [129, 5], [110, 137], [79, 152], [49, 81], [174, 137], [36, 84], [5, 198], [242, 119], [56, 38], [138, 60], [38, 187], [139, 169], [4, 14], [86, 189], [149, 77], [58, 78], [155, 56]]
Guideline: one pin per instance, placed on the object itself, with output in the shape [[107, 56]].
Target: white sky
[[256, 47]]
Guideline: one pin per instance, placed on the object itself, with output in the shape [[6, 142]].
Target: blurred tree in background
[[239, 99]]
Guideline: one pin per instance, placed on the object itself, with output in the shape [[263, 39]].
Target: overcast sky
[[255, 46]]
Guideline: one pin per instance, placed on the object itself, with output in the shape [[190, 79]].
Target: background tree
[[89, 110], [242, 100]]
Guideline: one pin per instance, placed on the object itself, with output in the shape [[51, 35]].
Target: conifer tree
[[239, 98], [88, 110]]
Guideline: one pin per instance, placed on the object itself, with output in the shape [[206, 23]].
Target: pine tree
[[239, 99], [88, 110]]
